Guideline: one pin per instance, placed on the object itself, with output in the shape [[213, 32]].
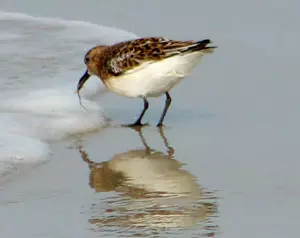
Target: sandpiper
[[144, 67]]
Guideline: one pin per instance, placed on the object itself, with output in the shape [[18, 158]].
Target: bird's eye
[[86, 60]]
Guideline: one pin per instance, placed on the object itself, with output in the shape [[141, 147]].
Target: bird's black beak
[[82, 80]]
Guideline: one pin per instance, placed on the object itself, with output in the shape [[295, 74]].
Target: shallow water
[[226, 164]]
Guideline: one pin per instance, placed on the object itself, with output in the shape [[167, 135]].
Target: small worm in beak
[[80, 102]]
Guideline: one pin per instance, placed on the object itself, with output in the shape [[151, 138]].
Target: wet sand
[[110, 182], [170, 183]]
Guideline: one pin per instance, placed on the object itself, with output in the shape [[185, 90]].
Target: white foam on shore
[[42, 62]]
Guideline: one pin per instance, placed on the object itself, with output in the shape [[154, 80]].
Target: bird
[[144, 67]]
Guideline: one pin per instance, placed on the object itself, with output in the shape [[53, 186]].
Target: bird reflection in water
[[153, 192]]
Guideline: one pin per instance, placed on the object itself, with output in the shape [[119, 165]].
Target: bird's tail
[[201, 46]]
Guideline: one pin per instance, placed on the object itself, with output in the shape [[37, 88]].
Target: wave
[[42, 61], [106, 34]]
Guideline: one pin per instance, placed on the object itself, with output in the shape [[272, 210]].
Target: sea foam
[[41, 61]]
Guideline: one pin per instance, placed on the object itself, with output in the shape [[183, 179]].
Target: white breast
[[156, 78]]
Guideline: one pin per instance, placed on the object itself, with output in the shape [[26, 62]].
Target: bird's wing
[[126, 56]]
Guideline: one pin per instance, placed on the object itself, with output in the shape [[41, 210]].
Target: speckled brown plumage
[[145, 67], [121, 57]]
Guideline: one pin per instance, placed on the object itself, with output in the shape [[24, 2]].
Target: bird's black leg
[[167, 105], [138, 122]]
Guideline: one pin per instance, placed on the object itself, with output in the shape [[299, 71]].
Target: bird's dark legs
[[138, 122], [167, 105]]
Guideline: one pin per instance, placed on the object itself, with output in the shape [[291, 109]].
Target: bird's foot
[[137, 124], [160, 125]]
